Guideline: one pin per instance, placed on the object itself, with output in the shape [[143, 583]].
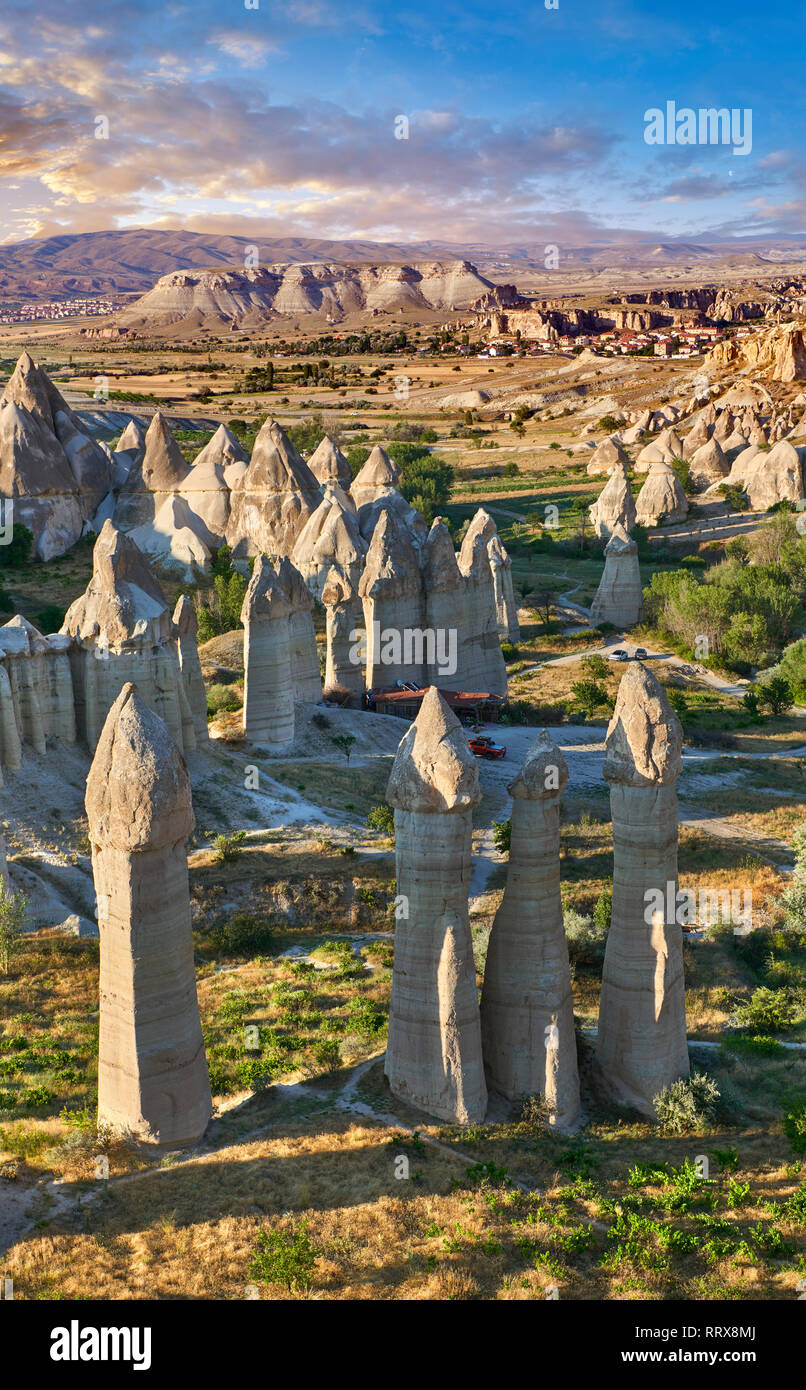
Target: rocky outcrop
[[344, 675], [160, 473], [271, 502], [708, 465], [36, 691], [696, 437], [221, 299], [187, 629], [305, 674], [391, 590], [527, 1009], [174, 539], [641, 1045], [605, 457], [122, 631], [483, 525], [329, 465], [433, 1056], [52, 473], [480, 657], [775, 475], [445, 611], [206, 487], [665, 447], [661, 500], [153, 1083], [330, 539], [619, 599], [377, 476], [614, 506], [268, 707]]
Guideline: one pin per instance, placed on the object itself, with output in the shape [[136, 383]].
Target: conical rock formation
[[433, 1056]]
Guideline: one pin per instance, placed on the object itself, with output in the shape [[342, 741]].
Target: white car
[[618, 655]]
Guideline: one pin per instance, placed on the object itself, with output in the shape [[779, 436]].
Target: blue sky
[[525, 122]]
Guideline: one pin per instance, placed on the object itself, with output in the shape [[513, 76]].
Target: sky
[[524, 122]]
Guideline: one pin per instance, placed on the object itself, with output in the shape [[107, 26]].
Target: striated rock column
[[268, 707], [527, 1010], [153, 1082], [394, 606], [433, 1057], [187, 628], [481, 661], [344, 618], [619, 598], [642, 1014], [501, 567], [302, 638], [444, 588]]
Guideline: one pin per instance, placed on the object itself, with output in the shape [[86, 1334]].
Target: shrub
[[589, 696], [509, 651], [586, 939], [366, 1018], [751, 702], [18, 551], [768, 1011], [603, 909], [228, 847], [50, 618], [794, 1122], [344, 743], [687, 1105], [13, 910], [502, 835], [327, 1054], [595, 666], [242, 934], [382, 818], [776, 695], [223, 697], [284, 1258]]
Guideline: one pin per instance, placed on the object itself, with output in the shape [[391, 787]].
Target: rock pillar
[[433, 1057], [153, 1082], [343, 675], [642, 1014], [305, 673], [527, 1010], [187, 628], [268, 707]]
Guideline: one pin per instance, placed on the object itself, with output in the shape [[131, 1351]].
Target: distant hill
[[218, 300], [131, 261]]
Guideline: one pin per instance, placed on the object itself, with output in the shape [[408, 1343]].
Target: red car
[[486, 748]]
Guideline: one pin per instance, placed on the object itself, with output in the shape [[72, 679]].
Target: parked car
[[619, 655], [639, 654], [484, 747]]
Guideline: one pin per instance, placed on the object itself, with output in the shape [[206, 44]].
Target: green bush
[[502, 835], [687, 1106], [768, 1011], [284, 1258], [228, 847], [49, 618], [794, 1122], [366, 1018], [223, 697], [242, 934], [327, 1054], [586, 939], [18, 551], [509, 651], [382, 818], [776, 695], [603, 909]]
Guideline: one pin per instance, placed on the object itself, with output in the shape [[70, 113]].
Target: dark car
[[639, 654], [486, 748]]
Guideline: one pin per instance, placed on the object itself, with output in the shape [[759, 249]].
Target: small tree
[[595, 666], [502, 835], [13, 911], [382, 818], [286, 1259], [776, 695], [344, 742]]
